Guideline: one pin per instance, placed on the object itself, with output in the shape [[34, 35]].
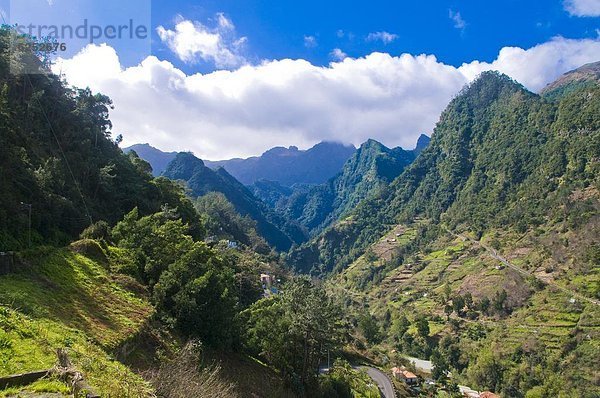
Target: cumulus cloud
[[459, 22], [583, 8], [310, 41], [384, 37], [245, 111], [193, 41], [337, 54]]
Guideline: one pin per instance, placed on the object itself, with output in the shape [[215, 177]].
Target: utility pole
[[28, 206]]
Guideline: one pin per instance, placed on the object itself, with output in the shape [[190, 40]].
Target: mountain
[[157, 158], [276, 230], [58, 176], [370, 169], [483, 256], [586, 75], [422, 143], [289, 166], [499, 156]]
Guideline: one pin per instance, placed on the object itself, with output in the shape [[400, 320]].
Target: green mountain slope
[[371, 168], [276, 230], [57, 159], [500, 156], [586, 75], [483, 256]]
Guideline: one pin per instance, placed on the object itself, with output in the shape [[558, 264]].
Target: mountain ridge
[[201, 180]]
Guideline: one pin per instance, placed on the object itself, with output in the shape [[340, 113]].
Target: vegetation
[[276, 229], [294, 331]]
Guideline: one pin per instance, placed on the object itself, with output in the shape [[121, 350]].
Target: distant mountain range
[[157, 158], [295, 193], [277, 231], [372, 167], [287, 166]]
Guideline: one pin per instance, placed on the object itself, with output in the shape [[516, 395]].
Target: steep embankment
[[66, 298]]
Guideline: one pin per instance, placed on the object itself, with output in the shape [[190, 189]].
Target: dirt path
[[494, 254]]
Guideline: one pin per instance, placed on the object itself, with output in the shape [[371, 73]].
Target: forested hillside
[[500, 157], [483, 256], [57, 160], [370, 169], [278, 231]]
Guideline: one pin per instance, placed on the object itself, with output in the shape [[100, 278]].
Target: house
[[404, 375], [266, 280]]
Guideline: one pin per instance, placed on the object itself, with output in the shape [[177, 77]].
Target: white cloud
[[292, 102], [385, 37], [192, 42], [337, 54], [310, 42], [583, 8], [459, 22]]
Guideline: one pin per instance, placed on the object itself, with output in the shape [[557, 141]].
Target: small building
[[404, 375], [266, 280], [232, 244]]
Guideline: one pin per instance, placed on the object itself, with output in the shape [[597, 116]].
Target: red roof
[[488, 394]]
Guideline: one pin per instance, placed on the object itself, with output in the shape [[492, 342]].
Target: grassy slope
[[74, 297], [63, 299], [415, 286]]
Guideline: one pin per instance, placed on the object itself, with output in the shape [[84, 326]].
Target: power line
[[87, 212]]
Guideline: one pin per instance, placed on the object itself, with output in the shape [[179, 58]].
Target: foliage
[[294, 330], [277, 230], [344, 382], [56, 155]]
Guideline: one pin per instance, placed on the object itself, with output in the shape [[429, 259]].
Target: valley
[[471, 260]]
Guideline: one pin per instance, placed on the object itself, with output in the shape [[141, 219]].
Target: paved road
[[383, 381], [422, 364]]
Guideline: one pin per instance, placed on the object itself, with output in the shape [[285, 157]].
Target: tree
[[197, 293], [294, 330], [458, 304], [488, 370], [400, 327], [448, 311], [422, 327], [440, 367], [369, 328]]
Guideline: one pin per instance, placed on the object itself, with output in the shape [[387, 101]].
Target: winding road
[[383, 381]]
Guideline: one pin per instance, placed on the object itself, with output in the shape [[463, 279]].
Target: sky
[[233, 78]]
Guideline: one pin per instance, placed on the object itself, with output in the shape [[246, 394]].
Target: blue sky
[[276, 29], [233, 78]]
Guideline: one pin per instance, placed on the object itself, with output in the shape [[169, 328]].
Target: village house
[[404, 375]]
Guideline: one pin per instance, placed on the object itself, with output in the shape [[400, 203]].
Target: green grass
[[62, 299], [59, 284], [40, 386]]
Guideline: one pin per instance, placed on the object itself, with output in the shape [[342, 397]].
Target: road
[[383, 381], [421, 364]]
